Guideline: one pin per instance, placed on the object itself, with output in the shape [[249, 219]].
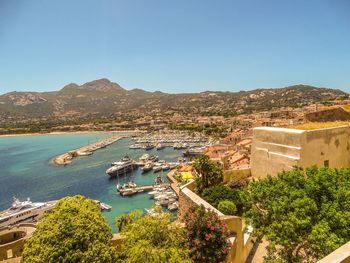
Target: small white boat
[[135, 146], [104, 207], [147, 167], [157, 168], [151, 212], [165, 167], [173, 206], [127, 191]]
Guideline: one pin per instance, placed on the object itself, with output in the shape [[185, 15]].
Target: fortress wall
[[274, 150]]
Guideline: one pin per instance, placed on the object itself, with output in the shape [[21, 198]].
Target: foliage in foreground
[[74, 231], [214, 195], [227, 207], [210, 174], [304, 214], [153, 239], [125, 219], [207, 236]]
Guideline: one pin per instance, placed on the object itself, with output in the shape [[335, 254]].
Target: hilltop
[[103, 98]]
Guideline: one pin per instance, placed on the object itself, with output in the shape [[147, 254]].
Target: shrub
[[74, 231], [214, 195], [227, 207], [153, 239], [207, 236]]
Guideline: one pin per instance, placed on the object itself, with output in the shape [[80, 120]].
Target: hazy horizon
[[175, 47]]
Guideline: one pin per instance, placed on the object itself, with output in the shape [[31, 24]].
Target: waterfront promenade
[[67, 157]]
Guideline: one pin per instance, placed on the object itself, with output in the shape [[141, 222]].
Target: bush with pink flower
[[207, 236]]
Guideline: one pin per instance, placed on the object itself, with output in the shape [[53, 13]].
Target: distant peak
[[70, 86], [100, 81], [95, 85]]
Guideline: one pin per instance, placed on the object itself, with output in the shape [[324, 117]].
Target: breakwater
[[67, 157]]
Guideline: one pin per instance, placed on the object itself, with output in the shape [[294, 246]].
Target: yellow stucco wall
[[332, 144], [278, 149]]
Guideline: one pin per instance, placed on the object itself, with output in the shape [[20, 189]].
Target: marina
[[27, 171], [176, 140]]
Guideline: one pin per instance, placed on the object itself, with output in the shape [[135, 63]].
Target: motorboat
[[173, 206], [135, 146], [165, 167], [124, 166], [157, 168], [147, 167], [148, 146], [127, 191]]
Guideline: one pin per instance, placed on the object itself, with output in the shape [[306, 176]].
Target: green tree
[[210, 174], [126, 219], [303, 214], [153, 239], [227, 207], [207, 236], [74, 231]]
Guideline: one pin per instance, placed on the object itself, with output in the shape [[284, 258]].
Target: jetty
[[86, 150]]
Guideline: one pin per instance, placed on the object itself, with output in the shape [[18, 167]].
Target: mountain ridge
[[102, 97]]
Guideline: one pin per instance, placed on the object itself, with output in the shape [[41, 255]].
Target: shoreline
[[66, 132]]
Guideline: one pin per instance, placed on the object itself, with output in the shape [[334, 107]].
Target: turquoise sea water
[[26, 171]]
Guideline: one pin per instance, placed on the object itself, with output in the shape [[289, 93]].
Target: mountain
[[104, 98]]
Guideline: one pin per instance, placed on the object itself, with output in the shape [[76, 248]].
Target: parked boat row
[[159, 166], [166, 197], [132, 188]]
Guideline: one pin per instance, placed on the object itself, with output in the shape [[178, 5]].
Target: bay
[[26, 171]]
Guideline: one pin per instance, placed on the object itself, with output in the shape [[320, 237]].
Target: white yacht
[[26, 211], [124, 166]]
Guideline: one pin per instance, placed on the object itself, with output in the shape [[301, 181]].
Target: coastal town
[[240, 153], [175, 131]]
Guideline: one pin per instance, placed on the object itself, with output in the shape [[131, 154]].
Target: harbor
[[176, 140], [27, 171]]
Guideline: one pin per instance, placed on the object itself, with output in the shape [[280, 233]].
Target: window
[[326, 163], [9, 253]]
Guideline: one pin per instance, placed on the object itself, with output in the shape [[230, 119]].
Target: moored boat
[[147, 167], [24, 211], [124, 166]]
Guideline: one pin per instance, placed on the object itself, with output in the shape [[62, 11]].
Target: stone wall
[[340, 255], [12, 245]]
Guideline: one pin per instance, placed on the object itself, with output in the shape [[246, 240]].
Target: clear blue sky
[[174, 45]]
